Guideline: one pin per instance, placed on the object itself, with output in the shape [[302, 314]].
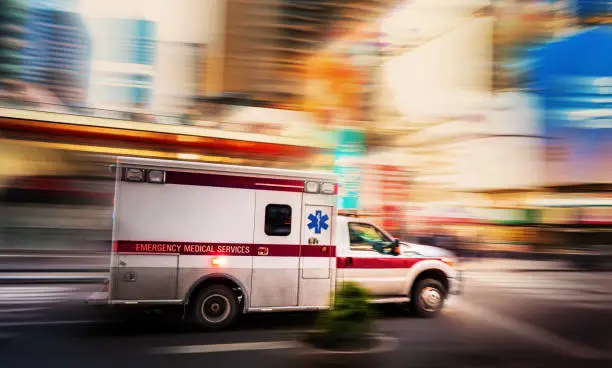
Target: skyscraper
[[12, 34], [123, 62], [267, 43], [57, 53]]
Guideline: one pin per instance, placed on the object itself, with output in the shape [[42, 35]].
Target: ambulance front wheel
[[216, 307], [428, 298]]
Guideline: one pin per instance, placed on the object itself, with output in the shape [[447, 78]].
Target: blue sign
[[318, 221], [574, 81]]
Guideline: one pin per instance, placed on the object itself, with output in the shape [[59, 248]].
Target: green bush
[[348, 324]]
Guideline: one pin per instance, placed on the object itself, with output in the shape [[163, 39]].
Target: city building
[[57, 54], [12, 39], [265, 45], [123, 63]]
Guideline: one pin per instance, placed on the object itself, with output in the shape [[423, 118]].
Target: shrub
[[348, 324]]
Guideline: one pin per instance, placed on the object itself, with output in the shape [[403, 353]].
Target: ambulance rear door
[[277, 239], [317, 251]]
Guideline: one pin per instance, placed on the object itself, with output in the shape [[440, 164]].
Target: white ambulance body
[[224, 240]]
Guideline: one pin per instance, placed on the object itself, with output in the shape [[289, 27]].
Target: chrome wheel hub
[[215, 308], [431, 299]]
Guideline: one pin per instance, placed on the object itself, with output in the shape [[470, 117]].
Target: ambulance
[[224, 240]]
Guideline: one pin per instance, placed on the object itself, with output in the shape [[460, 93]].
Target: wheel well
[[217, 280], [435, 274]]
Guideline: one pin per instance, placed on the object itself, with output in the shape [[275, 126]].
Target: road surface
[[508, 317]]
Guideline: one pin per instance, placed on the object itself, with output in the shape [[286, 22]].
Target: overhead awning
[[71, 131], [22, 161]]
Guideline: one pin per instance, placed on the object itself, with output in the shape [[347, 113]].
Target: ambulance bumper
[[98, 298], [455, 284]]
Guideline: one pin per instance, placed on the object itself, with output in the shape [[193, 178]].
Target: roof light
[[135, 175], [311, 187], [156, 176], [328, 188]]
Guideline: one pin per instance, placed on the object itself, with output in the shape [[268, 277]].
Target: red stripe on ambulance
[[228, 249], [233, 181], [376, 262]]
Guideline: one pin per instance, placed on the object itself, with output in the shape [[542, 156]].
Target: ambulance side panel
[[170, 218]]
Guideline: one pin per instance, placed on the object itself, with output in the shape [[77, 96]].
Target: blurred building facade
[[57, 54], [267, 44], [12, 40], [123, 67]]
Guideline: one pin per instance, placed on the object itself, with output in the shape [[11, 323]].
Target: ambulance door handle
[[122, 264], [348, 261], [262, 251]]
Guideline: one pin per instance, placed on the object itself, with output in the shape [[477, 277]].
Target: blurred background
[[484, 126], [472, 117]]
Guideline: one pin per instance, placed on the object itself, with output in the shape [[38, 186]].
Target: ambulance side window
[[365, 236], [278, 220]]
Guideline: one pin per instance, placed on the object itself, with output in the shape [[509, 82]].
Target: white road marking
[[22, 310], [530, 332], [220, 348]]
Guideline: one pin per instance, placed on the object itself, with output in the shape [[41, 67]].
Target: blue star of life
[[318, 221]]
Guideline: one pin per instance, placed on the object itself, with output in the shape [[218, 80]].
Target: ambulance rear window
[[278, 220]]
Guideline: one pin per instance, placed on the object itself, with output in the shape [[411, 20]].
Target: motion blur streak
[[480, 126]]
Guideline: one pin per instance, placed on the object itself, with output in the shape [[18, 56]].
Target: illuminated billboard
[[556, 52]]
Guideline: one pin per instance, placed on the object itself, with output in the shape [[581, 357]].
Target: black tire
[[428, 297], [215, 307]]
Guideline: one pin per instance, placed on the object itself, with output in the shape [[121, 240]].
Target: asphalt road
[[528, 318]]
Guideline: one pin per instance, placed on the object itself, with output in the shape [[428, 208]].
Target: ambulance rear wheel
[[215, 307]]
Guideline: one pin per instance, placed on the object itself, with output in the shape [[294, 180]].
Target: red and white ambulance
[[224, 240]]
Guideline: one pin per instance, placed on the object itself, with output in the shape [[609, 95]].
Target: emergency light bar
[[323, 188], [135, 175], [311, 187], [156, 176], [140, 175], [328, 188]]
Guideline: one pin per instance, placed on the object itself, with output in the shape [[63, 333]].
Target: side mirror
[[396, 247]]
